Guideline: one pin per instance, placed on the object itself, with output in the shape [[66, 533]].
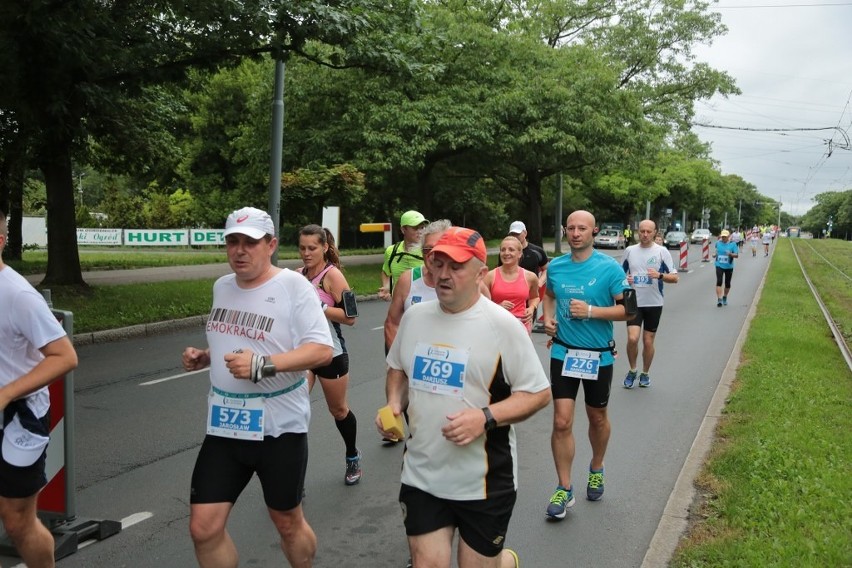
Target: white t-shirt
[[500, 359], [637, 260], [275, 317], [26, 325]]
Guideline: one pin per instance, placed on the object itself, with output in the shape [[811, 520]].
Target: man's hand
[[464, 426], [239, 363], [195, 359], [384, 293]]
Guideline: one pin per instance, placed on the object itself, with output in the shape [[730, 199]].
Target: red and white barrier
[[705, 250], [684, 251], [56, 501]]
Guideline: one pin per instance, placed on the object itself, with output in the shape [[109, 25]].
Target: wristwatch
[[268, 369], [490, 423]]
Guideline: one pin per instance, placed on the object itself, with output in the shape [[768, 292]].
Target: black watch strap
[[490, 423]]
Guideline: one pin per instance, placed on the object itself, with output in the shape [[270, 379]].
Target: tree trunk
[[533, 220], [12, 199], [63, 256]]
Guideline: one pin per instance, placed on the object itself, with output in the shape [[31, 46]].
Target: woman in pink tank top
[[510, 285]]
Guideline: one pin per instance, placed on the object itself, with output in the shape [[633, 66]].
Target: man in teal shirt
[[585, 291]]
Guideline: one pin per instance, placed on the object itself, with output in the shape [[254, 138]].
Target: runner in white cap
[[265, 329]]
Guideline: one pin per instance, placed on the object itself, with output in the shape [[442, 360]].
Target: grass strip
[[776, 487], [111, 307]]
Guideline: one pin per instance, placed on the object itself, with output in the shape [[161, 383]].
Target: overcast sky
[[792, 60]]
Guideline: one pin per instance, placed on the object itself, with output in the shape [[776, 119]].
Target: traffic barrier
[[385, 228], [57, 503], [705, 250], [684, 251]]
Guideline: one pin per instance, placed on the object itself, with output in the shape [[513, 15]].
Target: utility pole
[[276, 150], [557, 247]]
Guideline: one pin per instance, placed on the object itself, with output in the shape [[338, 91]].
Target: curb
[[156, 328], [675, 518]]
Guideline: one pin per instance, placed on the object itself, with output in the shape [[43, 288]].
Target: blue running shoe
[[724, 300], [562, 500], [595, 488], [644, 380], [629, 379]]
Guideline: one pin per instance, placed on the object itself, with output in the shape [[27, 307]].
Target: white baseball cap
[[251, 222], [21, 447], [517, 227]]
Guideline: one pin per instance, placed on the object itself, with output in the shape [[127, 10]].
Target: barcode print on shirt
[[242, 319]]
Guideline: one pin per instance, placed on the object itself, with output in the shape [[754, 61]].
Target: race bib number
[[439, 369], [235, 417], [723, 259], [642, 281], [581, 364]]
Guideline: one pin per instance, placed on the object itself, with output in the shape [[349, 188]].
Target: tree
[[834, 205], [64, 63]]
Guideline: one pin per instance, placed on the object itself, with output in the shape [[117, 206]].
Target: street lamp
[[80, 187]]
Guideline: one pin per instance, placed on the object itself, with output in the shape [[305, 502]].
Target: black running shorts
[[482, 523], [225, 466], [596, 392]]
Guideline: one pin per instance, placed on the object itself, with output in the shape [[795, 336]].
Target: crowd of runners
[[461, 371]]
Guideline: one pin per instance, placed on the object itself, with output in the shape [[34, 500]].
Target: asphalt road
[[140, 421]]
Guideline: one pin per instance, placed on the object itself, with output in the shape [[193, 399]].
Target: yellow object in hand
[[391, 423]]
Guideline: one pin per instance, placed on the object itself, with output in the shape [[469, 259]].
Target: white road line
[[377, 328], [126, 522], [173, 377]]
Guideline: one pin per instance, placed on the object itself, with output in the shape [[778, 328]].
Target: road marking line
[[173, 377], [377, 328], [126, 522]]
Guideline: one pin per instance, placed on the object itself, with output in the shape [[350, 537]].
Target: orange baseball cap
[[462, 244]]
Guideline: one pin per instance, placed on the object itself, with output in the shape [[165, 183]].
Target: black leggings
[[727, 273]]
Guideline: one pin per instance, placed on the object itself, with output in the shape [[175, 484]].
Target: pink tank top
[[517, 292], [324, 296]]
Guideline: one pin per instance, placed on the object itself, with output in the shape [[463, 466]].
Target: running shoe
[[644, 380], [353, 470], [409, 564], [562, 500], [595, 488], [629, 379], [514, 556], [719, 303], [724, 300]]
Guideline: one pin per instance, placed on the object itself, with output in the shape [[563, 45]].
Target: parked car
[[609, 238], [674, 238], [699, 236]]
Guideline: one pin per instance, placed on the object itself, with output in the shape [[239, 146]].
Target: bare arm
[[583, 310], [533, 300], [59, 358], [302, 358], [397, 307], [469, 424], [396, 390], [336, 285]]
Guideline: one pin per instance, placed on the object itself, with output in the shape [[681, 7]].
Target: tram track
[[835, 330]]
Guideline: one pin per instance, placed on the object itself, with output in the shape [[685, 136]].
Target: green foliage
[[836, 205]]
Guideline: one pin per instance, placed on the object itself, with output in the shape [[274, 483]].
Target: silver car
[[699, 236]]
